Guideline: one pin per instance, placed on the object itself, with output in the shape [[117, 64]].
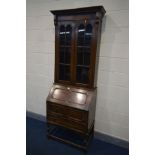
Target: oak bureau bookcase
[[71, 102]]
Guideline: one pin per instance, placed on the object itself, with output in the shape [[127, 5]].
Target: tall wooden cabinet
[[72, 100]]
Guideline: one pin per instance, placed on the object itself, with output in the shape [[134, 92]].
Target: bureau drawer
[[67, 112], [62, 120]]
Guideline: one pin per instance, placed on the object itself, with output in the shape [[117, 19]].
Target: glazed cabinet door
[[84, 52], [64, 51]]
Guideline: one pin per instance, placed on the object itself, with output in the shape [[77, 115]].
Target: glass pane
[[83, 56], [64, 72], [82, 74], [61, 72], [62, 35], [86, 58], [81, 33], [67, 72], [83, 53], [68, 34], [62, 55], [67, 55], [80, 56], [88, 35], [65, 52]]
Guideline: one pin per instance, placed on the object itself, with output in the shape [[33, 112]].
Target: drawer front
[[67, 117], [67, 123], [70, 113]]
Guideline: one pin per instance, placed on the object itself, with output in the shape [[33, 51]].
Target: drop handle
[[68, 88]]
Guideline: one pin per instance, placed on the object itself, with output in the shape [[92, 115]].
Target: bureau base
[[70, 137]]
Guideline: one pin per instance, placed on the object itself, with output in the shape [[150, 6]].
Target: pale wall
[[112, 111]]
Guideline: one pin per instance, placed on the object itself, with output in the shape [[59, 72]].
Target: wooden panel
[[70, 96], [55, 108], [66, 117], [81, 11], [67, 112], [68, 124], [71, 102], [79, 98], [77, 72], [92, 109], [60, 94]]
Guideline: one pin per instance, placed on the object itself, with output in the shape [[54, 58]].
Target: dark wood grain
[[75, 17], [71, 102], [79, 11]]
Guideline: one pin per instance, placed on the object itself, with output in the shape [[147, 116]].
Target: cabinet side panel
[[97, 52], [92, 109]]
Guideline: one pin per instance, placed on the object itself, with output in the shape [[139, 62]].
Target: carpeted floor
[[38, 144]]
